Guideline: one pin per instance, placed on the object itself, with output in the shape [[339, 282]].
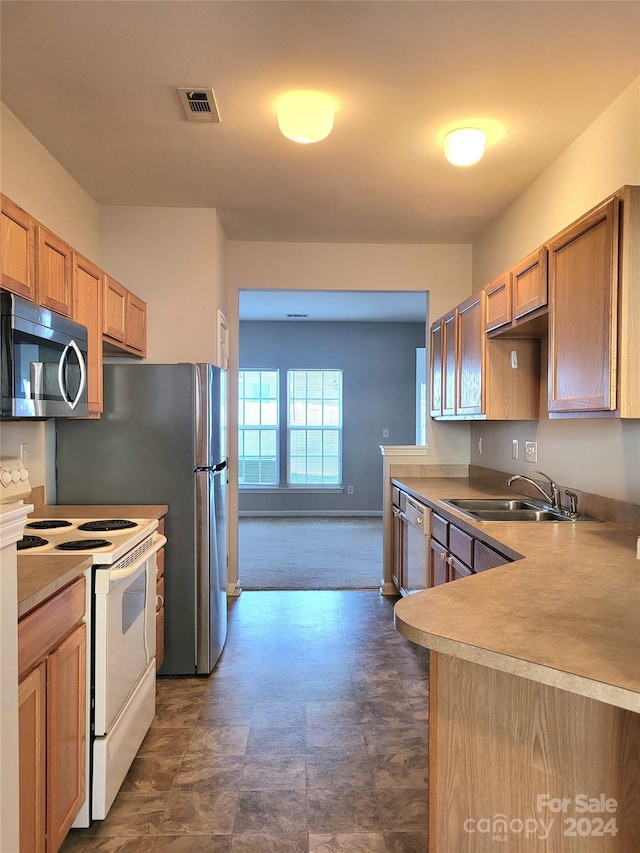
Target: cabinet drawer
[[461, 544], [440, 529], [39, 631], [458, 569], [485, 557]]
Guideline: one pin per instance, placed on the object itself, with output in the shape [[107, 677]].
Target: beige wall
[[593, 455], [32, 178], [174, 259]]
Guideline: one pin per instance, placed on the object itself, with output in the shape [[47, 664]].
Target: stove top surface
[[78, 535]]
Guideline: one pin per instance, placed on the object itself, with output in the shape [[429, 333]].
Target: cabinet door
[[498, 302], [87, 309], [159, 623], [113, 309], [53, 266], [449, 339], [529, 283], [485, 557], [65, 735], [471, 353], [457, 569], [438, 554], [136, 324], [583, 288], [17, 245], [397, 528], [32, 724], [436, 368]]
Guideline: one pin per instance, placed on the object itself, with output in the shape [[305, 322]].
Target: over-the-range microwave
[[43, 362]]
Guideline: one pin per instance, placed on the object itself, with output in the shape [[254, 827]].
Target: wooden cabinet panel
[[438, 567], [17, 250], [471, 355], [461, 544], [87, 309], [66, 703], [529, 283], [440, 529], [436, 368], [449, 360], [583, 282], [114, 309], [32, 749], [136, 324], [53, 271], [457, 569], [160, 613], [497, 308], [485, 557]]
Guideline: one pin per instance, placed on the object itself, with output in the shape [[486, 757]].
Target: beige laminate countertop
[[42, 575], [567, 614]]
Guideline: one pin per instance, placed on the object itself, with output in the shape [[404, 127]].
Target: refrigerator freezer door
[[211, 570], [210, 417]]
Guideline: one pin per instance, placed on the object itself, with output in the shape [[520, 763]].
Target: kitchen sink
[[505, 509]]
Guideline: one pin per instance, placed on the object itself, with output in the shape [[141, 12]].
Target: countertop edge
[[28, 601]]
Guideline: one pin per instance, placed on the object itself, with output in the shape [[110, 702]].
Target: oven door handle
[[83, 374], [117, 575]]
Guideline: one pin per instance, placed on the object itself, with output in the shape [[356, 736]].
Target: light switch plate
[[531, 451], [514, 448]]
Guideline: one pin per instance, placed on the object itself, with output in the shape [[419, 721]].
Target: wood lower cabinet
[[53, 272], [455, 554], [438, 566], [160, 611], [52, 713], [17, 250], [583, 315], [87, 309]]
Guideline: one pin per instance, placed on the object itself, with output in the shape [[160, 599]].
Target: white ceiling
[[335, 306], [96, 83]]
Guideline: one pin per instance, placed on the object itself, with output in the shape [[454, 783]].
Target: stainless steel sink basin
[[505, 509]]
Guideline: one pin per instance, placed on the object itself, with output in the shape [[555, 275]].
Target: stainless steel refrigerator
[[162, 440]]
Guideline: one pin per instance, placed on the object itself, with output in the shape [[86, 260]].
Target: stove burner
[[49, 524], [31, 542], [108, 524], [83, 544]]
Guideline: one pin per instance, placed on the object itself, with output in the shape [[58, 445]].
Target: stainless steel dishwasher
[[416, 546]]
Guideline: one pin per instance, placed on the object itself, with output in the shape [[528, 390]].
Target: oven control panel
[[14, 480]]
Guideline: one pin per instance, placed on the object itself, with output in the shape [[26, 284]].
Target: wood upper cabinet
[[136, 324], [436, 368], [449, 362], [529, 284], [17, 250], [52, 718], [497, 302], [53, 272], [470, 356], [583, 313], [124, 319], [87, 309], [114, 309]]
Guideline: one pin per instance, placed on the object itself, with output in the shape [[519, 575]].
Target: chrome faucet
[[553, 499]]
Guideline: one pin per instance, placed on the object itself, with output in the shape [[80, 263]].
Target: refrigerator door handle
[[215, 469]]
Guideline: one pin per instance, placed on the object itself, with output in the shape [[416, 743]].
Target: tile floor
[[309, 737]]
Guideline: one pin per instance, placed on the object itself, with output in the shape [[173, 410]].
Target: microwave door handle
[[83, 374], [36, 377]]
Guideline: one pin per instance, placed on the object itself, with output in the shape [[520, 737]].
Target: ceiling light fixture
[[305, 116], [464, 146]]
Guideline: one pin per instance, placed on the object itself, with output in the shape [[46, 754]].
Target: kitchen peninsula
[[534, 686]]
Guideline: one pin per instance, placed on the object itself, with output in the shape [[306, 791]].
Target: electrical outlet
[[531, 451], [24, 454], [514, 448], [480, 444], [349, 490], [385, 433]]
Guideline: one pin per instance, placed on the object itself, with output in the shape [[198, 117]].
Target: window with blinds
[[314, 427], [258, 425]]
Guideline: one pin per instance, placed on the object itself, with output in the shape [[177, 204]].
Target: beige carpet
[[310, 553]]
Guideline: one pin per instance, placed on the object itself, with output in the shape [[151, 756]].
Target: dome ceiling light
[[464, 146], [306, 116]]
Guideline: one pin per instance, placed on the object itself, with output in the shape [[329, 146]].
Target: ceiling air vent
[[296, 316], [199, 105]]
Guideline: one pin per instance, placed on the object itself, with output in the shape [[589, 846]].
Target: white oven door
[[124, 630]]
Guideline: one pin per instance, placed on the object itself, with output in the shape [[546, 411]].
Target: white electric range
[[120, 617]]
